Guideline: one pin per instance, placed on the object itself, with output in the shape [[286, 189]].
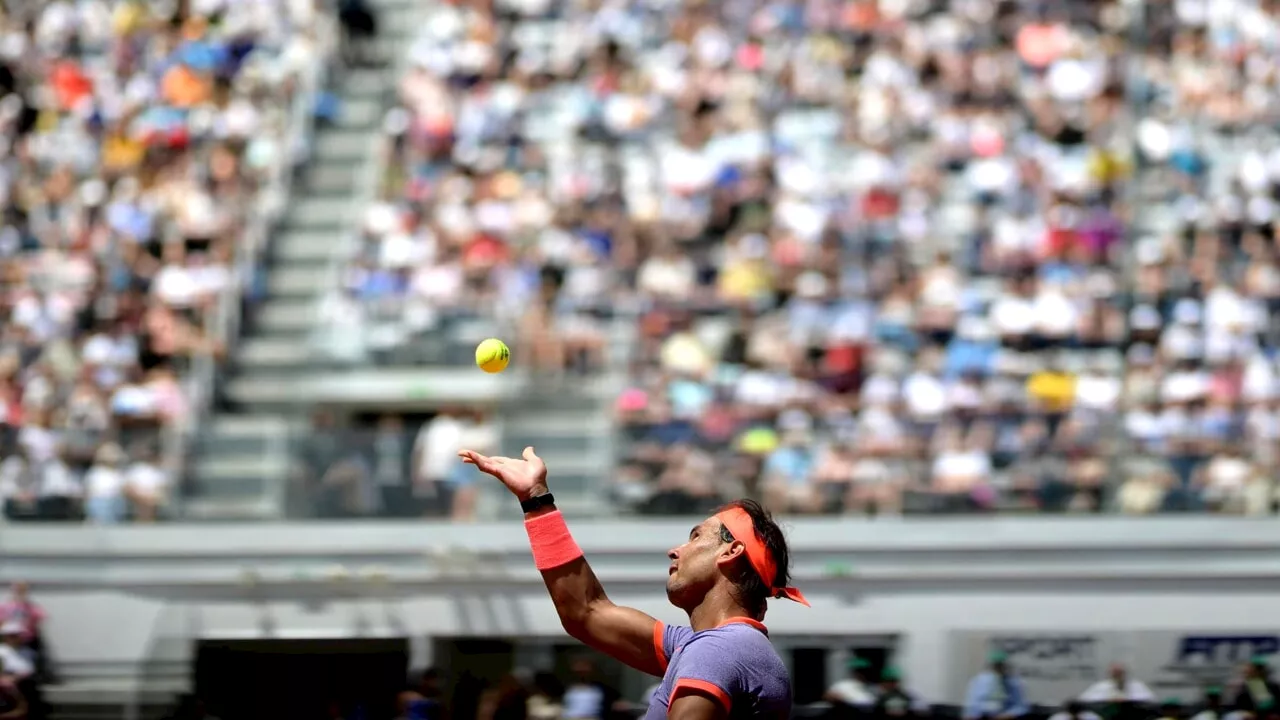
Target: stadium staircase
[[239, 459]]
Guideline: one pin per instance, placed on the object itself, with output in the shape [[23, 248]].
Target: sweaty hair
[[752, 587]]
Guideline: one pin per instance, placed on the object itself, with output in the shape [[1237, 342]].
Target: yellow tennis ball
[[492, 355]]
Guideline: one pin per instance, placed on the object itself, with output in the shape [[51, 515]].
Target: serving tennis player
[[722, 664]]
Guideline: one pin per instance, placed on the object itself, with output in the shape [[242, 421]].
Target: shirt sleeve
[[710, 666], [667, 639]]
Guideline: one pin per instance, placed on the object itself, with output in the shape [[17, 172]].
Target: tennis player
[[722, 664]]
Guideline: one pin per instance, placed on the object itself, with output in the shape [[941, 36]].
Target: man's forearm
[[573, 586]]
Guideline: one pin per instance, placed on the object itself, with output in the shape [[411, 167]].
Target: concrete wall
[[121, 599]]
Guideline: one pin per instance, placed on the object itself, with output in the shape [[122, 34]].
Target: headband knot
[[739, 524]]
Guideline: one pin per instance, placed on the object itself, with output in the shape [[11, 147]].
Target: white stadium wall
[[1180, 600]]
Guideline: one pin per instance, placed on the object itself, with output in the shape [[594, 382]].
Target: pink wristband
[[550, 541]]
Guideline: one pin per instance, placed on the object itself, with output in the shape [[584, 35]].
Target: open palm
[[525, 477]]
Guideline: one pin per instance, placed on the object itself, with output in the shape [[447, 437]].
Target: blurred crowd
[[883, 255], [134, 138]]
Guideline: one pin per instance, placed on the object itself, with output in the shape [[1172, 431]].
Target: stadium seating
[[877, 258], [143, 148]]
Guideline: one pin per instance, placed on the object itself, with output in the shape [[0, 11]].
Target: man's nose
[[673, 553]]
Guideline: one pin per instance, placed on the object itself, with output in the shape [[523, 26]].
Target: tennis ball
[[492, 355]]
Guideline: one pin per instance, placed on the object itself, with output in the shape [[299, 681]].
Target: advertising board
[[1056, 666]]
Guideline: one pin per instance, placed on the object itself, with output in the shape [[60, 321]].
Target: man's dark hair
[[754, 591]]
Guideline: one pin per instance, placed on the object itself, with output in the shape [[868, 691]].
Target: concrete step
[[371, 83], [307, 245], [331, 179], [247, 476], [279, 316], [563, 422], [217, 445], [273, 352], [548, 443], [299, 280], [360, 113], [318, 214], [218, 468], [229, 425], [338, 145], [398, 22], [230, 510]]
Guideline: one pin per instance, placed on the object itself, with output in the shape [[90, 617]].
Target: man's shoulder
[[745, 643]]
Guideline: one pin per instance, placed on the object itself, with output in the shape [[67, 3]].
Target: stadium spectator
[[104, 484], [996, 693], [895, 701], [477, 430], [147, 485], [391, 455], [1212, 706], [21, 610], [435, 459], [1118, 687], [856, 690], [1258, 692], [585, 697]]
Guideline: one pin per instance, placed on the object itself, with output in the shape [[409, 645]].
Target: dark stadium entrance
[[301, 678]]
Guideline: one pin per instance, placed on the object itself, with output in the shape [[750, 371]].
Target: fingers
[[529, 454]]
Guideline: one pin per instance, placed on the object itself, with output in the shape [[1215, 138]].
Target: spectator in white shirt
[[435, 453], [105, 501], [476, 431], [1118, 687], [60, 490], [146, 486], [855, 690]]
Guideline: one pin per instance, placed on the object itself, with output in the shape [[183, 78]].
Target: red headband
[[739, 524]]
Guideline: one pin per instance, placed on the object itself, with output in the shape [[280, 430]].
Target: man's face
[[695, 564], [1117, 674]]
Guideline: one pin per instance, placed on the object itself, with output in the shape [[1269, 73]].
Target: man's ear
[[731, 552]]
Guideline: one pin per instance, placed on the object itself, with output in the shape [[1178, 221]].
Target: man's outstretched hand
[[525, 478]]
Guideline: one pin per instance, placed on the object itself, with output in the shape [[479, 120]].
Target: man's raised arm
[[586, 613]]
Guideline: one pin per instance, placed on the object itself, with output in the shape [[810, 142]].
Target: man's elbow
[[576, 619]]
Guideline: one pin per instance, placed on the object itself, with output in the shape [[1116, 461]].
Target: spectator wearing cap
[[1212, 706], [893, 700], [1258, 692], [996, 693], [1170, 709], [856, 690]]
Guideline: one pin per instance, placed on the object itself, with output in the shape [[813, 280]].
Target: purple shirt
[[734, 663]]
